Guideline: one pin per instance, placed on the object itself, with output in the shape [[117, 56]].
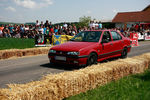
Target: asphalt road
[[26, 69]]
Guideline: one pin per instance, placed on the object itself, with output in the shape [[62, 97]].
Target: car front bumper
[[71, 60]]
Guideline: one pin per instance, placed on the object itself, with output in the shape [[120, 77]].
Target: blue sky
[[65, 10]]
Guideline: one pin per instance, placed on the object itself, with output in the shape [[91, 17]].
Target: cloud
[[115, 11], [31, 4], [5, 19], [25, 3], [10, 9], [89, 12]]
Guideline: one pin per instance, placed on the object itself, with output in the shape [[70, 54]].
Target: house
[[126, 19]]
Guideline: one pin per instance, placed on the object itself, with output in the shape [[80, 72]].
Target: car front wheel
[[92, 59]]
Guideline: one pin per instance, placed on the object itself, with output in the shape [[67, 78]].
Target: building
[[126, 19]]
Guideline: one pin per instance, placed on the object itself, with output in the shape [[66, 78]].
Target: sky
[[56, 11]]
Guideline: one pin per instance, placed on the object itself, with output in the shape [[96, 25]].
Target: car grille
[[62, 53]]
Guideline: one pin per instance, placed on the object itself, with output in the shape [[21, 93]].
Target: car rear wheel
[[124, 53], [92, 59]]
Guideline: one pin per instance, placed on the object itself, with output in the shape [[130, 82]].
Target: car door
[[117, 42], [106, 46]]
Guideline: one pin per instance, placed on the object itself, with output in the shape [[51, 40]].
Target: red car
[[90, 47]]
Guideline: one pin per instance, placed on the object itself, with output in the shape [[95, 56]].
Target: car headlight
[[52, 51], [73, 53]]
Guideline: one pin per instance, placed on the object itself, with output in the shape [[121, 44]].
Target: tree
[[84, 21]]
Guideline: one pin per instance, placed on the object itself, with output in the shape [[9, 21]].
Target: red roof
[[139, 16]]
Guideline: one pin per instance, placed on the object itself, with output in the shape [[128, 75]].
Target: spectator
[[132, 28], [56, 30], [42, 24], [46, 24], [37, 23], [65, 25], [41, 30], [96, 25], [60, 30], [137, 27], [92, 25], [1, 30], [65, 31], [22, 30], [6, 32], [26, 31], [100, 25], [11, 30], [50, 25], [44, 30]]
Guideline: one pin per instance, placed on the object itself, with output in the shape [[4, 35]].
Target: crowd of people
[[30, 31], [47, 29], [139, 28]]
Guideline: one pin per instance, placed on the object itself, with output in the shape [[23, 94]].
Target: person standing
[[65, 25], [22, 30], [96, 25], [100, 25], [1, 31], [11, 30], [42, 24], [50, 25], [37, 23], [46, 24]]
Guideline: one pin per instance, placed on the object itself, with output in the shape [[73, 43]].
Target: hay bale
[[5, 54], [135, 65], [62, 85], [69, 83], [40, 90]]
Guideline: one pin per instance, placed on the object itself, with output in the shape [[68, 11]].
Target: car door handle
[[111, 44]]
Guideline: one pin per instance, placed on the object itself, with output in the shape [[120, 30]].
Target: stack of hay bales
[[5, 54], [62, 85]]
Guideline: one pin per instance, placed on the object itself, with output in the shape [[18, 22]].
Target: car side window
[[106, 37], [116, 36]]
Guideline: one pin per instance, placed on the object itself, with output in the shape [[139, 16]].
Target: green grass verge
[[134, 87], [16, 43]]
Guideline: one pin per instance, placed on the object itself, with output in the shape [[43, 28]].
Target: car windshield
[[87, 36]]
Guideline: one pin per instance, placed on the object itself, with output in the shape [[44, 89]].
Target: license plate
[[60, 58]]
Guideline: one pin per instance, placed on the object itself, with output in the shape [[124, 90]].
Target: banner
[[59, 39], [147, 36], [56, 39], [46, 40], [39, 39], [134, 39]]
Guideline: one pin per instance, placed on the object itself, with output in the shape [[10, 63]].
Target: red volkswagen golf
[[90, 47]]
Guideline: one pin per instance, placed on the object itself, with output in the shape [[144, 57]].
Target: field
[[134, 87], [16, 43]]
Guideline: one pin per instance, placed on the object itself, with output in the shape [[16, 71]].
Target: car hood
[[73, 46]]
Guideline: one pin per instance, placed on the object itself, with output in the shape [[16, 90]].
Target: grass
[[16, 43], [134, 87]]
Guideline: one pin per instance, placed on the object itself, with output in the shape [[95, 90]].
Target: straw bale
[[62, 85], [145, 56], [135, 65], [5, 54], [41, 90], [69, 83], [3, 95]]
